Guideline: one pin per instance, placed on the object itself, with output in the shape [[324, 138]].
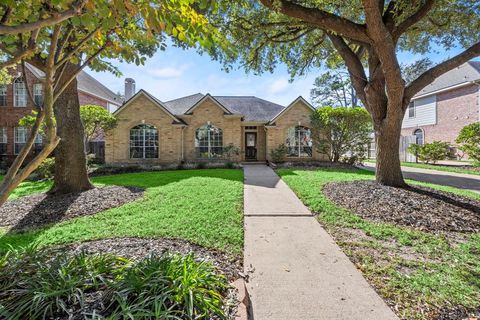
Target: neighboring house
[[443, 108], [199, 127], [15, 104]]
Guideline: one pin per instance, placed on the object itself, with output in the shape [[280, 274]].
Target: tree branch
[[413, 19], [76, 9], [321, 19], [430, 75]]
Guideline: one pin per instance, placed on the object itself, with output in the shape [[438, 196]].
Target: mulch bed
[[417, 207], [137, 248], [41, 209]]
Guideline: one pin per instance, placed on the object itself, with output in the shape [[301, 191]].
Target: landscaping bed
[[426, 271], [139, 248], [41, 209], [417, 207]]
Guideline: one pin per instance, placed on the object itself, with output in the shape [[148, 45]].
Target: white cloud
[[278, 86], [168, 72]]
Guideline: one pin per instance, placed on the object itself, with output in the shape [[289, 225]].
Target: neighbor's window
[[209, 142], [3, 140], [144, 142], [299, 142], [418, 136], [21, 134], [3, 95], [38, 146], [19, 93], [411, 110], [38, 94]]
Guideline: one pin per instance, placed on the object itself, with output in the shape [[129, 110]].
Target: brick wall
[[455, 109], [86, 98]]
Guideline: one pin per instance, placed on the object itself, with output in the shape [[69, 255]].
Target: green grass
[[201, 206], [451, 275], [437, 167]]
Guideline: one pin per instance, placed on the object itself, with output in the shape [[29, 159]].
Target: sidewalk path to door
[[457, 180], [296, 271]]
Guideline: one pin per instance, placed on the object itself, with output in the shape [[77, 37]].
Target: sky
[[176, 73]]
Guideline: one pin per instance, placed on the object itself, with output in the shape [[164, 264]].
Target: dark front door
[[251, 146]]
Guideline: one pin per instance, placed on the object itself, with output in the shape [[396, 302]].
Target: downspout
[[181, 145], [266, 144]]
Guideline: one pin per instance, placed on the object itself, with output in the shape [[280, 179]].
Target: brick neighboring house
[[199, 127], [443, 108], [14, 104]]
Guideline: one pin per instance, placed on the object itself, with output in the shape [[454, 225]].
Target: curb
[[244, 305]]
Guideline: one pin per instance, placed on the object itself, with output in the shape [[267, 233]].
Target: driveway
[[295, 269], [452, 179]]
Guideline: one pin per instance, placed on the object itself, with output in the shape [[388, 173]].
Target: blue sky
[[175, 73]]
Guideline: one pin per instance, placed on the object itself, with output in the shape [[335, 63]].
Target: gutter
[[463, 84]]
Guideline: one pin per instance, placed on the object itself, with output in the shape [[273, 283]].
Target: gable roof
[[462, 75], [87, 84], [252, 108], [299, 99], [208, 97], [154, 100]]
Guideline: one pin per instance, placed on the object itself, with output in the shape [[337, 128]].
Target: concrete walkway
[[452, 179], [296, 271]]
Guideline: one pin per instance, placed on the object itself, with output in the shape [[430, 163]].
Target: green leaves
[[469, 138], [95, 118]]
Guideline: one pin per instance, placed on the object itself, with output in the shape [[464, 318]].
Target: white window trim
[[143, 154], [3, 92], [15, 141], [4, 137], [414, 108], [15, 102]]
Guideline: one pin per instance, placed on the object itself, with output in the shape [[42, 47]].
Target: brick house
[[443, 108], [199, 127], [15, 104]]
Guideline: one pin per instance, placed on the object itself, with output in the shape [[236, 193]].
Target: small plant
[[200, 165], [230, 151], [46, 169], [469, 140], [430, 152], [279, 153]]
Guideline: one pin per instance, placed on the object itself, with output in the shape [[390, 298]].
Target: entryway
[[251, 146]]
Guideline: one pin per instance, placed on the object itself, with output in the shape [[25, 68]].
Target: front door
[[251, 146]]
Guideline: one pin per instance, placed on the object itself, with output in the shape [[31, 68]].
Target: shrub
[[46, 169], [279, 153], [469, 138], [343, 134], [45, 284], [431, 152], [200, 165], [230, 151]]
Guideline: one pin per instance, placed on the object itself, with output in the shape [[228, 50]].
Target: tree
[[334, 88], [341, 132], [469, 138], [366, 36], [127, 30], [96, 119]]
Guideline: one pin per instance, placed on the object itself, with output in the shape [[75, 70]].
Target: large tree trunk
[[70, 158], [387, 138]]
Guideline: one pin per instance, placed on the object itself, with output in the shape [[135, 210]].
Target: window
[[209, 142], [250, 128], [3, 95], [144, 142], [299, 142], [20, 139], [19, 93], [3, 140], [38, 94], [411, 110], [38, 145], [418, 136]]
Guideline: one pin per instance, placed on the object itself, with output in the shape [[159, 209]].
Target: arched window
[[144, 142], [299, 142], [418, 136], [209, 142], [19, 93]]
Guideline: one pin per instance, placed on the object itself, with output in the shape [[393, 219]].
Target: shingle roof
[[467, 72], [87, 84], [252, 108]]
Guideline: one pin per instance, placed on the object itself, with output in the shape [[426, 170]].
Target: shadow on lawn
[[26, 230]]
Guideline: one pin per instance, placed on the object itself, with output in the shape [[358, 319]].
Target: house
[[444, 107], [14, 104], [199, 127]]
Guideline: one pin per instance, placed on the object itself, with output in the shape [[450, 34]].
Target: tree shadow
[[452, 199]]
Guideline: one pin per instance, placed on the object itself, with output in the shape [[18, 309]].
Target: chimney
[[129, 88]]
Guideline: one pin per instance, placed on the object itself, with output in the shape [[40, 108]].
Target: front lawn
[[439, 167], [420, 274], [200, 206]]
